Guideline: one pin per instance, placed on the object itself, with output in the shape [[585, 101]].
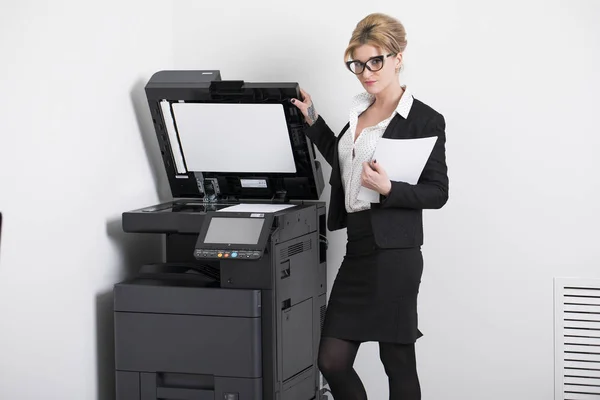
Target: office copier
[[234, 309]]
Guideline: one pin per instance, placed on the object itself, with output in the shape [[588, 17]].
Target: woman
[[374, 296]]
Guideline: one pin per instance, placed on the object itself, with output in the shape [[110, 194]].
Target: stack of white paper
[[257, 208]]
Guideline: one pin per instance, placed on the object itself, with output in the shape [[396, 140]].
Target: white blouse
[[353, 154]]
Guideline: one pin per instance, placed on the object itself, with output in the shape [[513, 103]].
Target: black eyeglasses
[[373, 64]]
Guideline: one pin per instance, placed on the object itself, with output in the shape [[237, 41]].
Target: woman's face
[[378, 67]]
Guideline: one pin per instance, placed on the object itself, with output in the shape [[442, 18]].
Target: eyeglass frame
[[381, 57]]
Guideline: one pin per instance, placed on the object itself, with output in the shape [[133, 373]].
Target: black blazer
[[398, 219]]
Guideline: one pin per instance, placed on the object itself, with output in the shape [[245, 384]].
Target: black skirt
[[374, 295]]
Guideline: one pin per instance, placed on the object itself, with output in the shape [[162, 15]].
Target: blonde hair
[[378, 30]]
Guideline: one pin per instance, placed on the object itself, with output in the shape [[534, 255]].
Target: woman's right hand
[[307, 107]]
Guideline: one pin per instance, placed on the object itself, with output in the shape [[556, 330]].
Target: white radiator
[[577, 339]]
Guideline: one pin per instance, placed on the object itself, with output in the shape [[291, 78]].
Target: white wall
[[76, 150], [518, 85]]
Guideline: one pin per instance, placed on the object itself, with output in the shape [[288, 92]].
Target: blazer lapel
[[391, 128], [336, 174]]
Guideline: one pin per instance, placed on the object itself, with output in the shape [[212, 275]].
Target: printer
[[234, 310]]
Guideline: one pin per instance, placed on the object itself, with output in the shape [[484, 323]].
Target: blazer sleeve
[[323, 137], [431, 191]]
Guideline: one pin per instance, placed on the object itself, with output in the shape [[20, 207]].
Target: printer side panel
[[321, 289], [297, 279]]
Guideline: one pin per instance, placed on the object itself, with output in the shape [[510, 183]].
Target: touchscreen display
[[234, 230]]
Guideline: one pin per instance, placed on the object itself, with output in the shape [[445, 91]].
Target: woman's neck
[[389, 97]]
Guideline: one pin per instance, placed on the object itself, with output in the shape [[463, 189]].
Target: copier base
[[187, 341], [230, 329]]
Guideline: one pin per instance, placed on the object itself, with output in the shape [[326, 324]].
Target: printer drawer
[[195, 344], [153, 386]]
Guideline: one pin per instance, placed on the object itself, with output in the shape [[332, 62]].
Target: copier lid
[[234, 139]]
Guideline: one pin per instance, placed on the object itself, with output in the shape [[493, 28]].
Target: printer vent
[[297, 136], [297, 248], [323, 308]]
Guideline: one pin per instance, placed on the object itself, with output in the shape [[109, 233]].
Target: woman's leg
[[399, 362], [336, 362]]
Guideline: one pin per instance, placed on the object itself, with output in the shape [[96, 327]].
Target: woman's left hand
[[374, 177]]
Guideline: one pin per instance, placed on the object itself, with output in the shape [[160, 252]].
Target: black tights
[[336, 360]]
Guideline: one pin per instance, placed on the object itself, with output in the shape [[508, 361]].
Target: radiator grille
[[577, 339]]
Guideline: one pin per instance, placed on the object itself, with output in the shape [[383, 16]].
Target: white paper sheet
[[257, 208], [402, 159]]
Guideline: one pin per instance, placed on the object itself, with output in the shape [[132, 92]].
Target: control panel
[[233, 235], [227, 254]]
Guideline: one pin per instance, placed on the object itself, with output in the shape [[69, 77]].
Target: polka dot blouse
[[352, 154]]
